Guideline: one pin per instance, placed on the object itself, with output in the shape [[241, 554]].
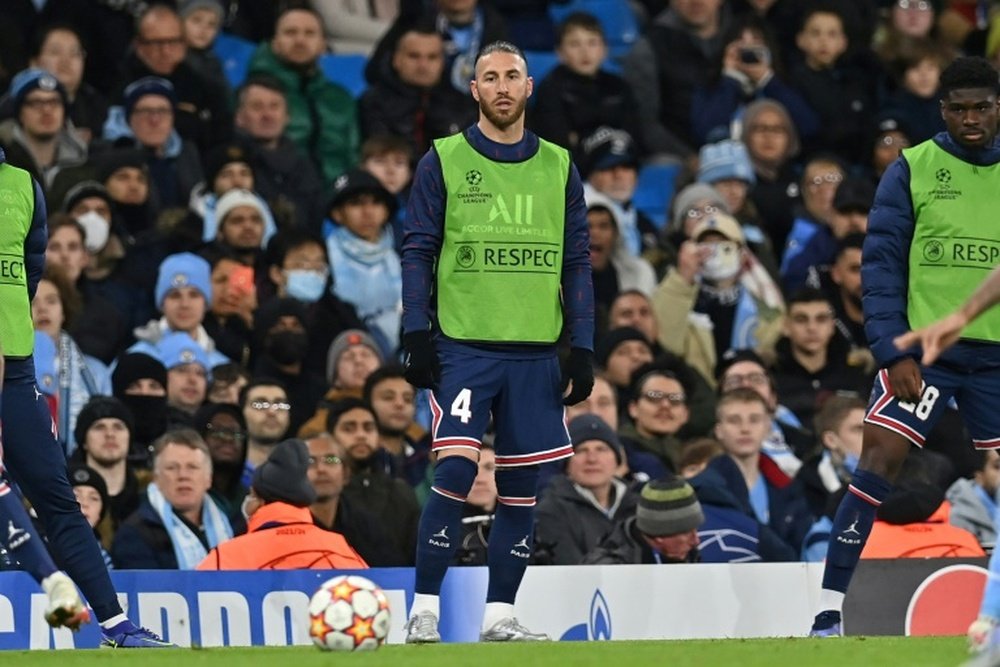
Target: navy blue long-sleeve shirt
[[423, 234]]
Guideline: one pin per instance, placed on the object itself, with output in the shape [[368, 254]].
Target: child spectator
[[916, 102], [201, 20], [974, 501], [578, 96], [92, 494], [390, 160], [839, 424]]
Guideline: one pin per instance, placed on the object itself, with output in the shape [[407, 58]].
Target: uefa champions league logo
[[598, 626]]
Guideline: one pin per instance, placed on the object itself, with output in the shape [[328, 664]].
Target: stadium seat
[[540, 63], [654, 191], [235, 53], [621, 29], [345, 69]]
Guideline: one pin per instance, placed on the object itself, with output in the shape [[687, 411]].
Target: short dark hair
[[581, 21], [60, 220], [288, 240], [658, 367], [268, 81], [826, 7], [698, 451], [381, 144], [500, 46], [339, 408], [969, 72], [853, 240], [808, 295], [260, 381], [42, 35], [387, 372], [834, 411]]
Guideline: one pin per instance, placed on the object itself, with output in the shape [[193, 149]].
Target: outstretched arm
[[937, 337]]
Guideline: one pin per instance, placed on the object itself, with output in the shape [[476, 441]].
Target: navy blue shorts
[[977, 395], [521, 395]]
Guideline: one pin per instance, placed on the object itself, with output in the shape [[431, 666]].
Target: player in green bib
[[495, 266], [932, 236]]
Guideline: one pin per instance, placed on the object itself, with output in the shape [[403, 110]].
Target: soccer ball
[[348, 613]]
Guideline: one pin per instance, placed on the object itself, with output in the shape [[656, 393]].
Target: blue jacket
[[885, 270]]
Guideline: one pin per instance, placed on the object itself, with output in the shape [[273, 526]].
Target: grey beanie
[[283, 477], [345, 340], [668, 507], [686, 198]]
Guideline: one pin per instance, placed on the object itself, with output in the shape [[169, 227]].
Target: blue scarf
[[187, 547]]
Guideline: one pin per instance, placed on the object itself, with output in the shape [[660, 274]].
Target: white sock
[[831, 600], [426, 602], [496, 612], [109, 623]]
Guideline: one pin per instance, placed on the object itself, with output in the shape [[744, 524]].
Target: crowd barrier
[[934, 596]]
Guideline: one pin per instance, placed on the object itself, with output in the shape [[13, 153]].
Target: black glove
[[422, 367], [580, 369]]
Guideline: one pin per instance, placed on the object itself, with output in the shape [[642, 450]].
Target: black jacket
[[392, 502], [625, 546]]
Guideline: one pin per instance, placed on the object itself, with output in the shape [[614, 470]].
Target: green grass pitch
[[859, 651]]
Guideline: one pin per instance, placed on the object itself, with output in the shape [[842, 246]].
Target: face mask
[[305, 285], [287, 347], [723, 263], [150, 416], [97, 230]]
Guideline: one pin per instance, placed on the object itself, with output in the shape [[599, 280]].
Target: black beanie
[[82, 475], [219, 156], [609, 341], [100, 407], [136, 366], [283, 476]]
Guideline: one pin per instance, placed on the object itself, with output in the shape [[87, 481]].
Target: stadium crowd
[[223, 266]]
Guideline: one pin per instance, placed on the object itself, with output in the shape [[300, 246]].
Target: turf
[[910, 651]]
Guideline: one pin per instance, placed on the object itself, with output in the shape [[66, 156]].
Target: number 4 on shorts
[[460, 407]]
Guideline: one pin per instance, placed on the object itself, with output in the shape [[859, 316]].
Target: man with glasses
[[280, 532], [820, 180], [267, 413], [159, 50], [224, 430], [657, 409]]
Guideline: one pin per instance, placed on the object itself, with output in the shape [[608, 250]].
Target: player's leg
[[461, 412], [35, 460], [890, 428], [531, 430]]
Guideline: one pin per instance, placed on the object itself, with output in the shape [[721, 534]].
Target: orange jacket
[[933, 538], [283, 537]]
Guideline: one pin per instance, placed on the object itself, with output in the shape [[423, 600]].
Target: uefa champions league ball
[[348, 613]]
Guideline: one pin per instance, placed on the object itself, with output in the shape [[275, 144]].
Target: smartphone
[[241, 280], [754, 55]]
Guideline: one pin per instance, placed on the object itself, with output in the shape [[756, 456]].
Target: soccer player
[[919, 255], [496, 231], [31, 453]]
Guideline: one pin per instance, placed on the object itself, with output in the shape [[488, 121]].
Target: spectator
[[812, 361], [916, 101], [148, 119], [355, 28], [974, 501], [750, 69], [587, 503], [775, 499], [664, 528], [352, 357], [139, 381], [820, 181], [602, 402], [227, 382], [674, 57], [720, 280], [841, 284], [177, 522], [202, 20], [613, 267], [38, 138], [222, 427], [891, 137], [92, 494], [282, 344], [772, 143], [160, 50], [579, 95], [465, 25], [390, 159], [824, 475], [632, 308], [619, 353], [266, 410], [100, 328], [188, 369], [323, 118], [478, 511], [102, 432], [229, 320], [280, 532], [689, 207], [243, 230], [283, 173], [366, 268], [414, 101], [300, 269], [333, 511], [610, 165], [726, 167], [789, 440], [851, 204], [352, 423], [841, 93], [78, 376], [404, 446], [658, 410], [183, 295]]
